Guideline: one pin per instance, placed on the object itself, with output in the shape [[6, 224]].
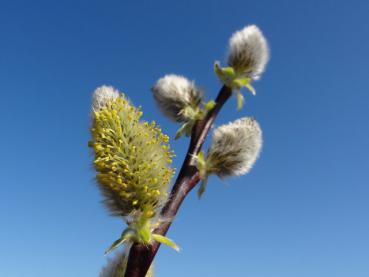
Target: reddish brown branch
[[140, 256]]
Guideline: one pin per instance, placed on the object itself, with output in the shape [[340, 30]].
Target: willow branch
[[141, 256]]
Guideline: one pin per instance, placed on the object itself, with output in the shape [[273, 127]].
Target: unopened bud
[[248, 52], [234, 149], [177, 97]]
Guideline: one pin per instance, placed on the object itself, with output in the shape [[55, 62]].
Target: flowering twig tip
[[133, 158]]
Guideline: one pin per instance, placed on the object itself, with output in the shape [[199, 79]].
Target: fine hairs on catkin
[[248, 52], [235, 147], [173, 94]]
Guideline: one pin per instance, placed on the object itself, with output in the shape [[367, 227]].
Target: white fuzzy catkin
[[235, 148], [173, 93], [102, 95], [248, 52]]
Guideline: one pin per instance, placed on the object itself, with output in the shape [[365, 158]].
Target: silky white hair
[[235, 147], [173, 93], [116, 266], [248, 52], [102, 95]]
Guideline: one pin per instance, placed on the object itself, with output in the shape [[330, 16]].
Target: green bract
[[235, 80], [140, 231], [194, 115]]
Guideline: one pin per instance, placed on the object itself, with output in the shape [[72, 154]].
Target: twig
[[141, 256]]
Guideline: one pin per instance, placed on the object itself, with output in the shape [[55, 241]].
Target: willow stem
[[141, 256]]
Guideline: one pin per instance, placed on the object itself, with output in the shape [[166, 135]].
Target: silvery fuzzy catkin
[[234, 149], [132, 157], [174, 94], [116, 266], [248, 52]]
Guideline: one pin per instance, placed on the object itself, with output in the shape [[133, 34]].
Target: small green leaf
[[241, 82], [181, 131], [225, 74], [218, 70], [228, 71], [240, 100], [202, 188], [115, 244], [166, 241], [201, 158], [231, 79], [201, 164], [189, 127], [126, 236], [209, 105], [251, 88], [186, 129], [144, 234]]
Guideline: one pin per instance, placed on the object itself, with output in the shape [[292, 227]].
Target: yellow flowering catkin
[[132, 159]]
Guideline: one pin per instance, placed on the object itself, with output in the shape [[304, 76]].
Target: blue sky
[[302, 211]]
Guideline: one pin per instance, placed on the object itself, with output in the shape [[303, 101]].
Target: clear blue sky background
[[302, 211]]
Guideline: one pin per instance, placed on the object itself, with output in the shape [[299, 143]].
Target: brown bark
[[140, 256]]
